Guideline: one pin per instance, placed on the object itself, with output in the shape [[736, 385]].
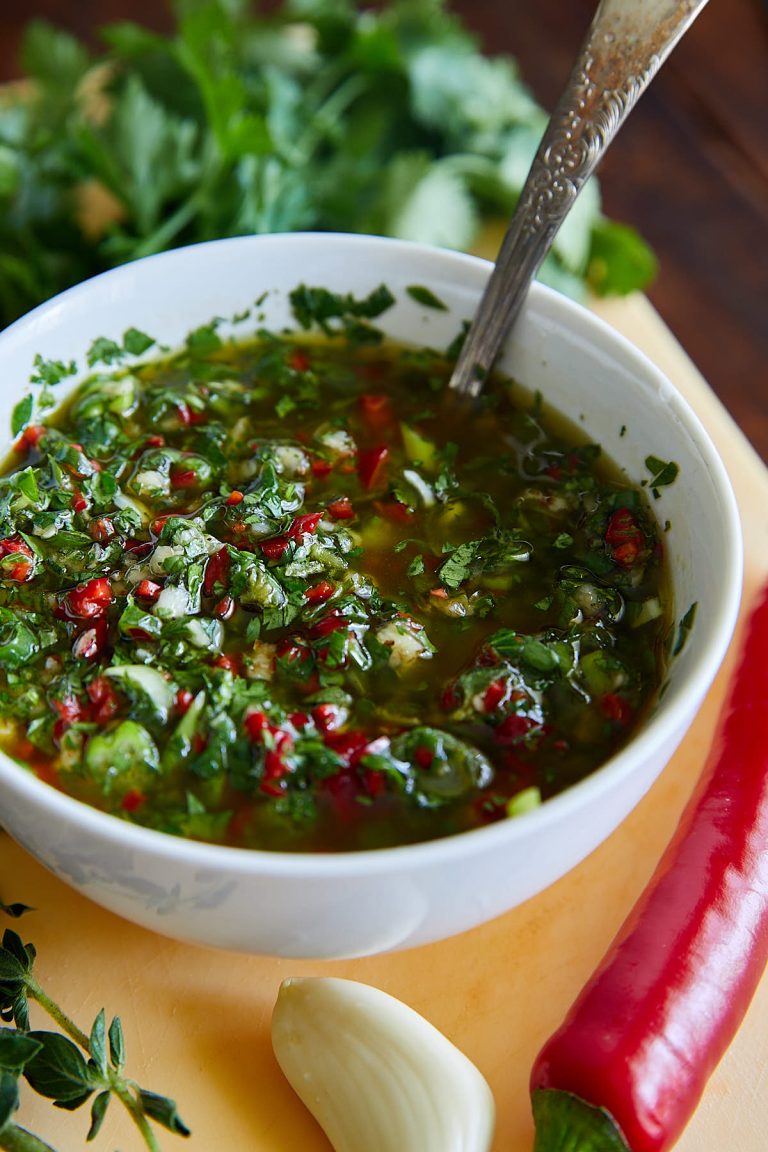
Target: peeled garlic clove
[[375, 1075]]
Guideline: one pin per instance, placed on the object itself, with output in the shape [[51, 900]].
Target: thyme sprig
[[65, 1066]]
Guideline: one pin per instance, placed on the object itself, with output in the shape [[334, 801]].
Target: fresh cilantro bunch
[[65, 1066], [326, 115]]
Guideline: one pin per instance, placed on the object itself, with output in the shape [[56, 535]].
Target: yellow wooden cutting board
[[197, 1021]]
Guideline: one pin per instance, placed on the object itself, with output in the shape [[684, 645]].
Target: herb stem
[[135, 1110], [13, 1138], [54, 1011]]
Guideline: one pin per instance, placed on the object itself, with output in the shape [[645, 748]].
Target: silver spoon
[[626, 44]]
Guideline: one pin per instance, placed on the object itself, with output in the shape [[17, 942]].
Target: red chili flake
[[394, 510], [30, 437], [156, 441], [624, 538], [330, 623], [101, 530], [69, 708], [345, 790], [350, 746], [514, 728], [274, 767], [423, 756], [321, 468], [319, 593], [256, 724], [274, 548], [292, 650], [370, 465], [183, 478], [224, 609], [22, 570], [89, 599], [235, 497], [138, 548], [374, 782], [90, 642], [439, 593], [185, 413], [450, 698], [104, 699], [327, 717], [158, 524], [272, 788], [228, 663], [141, 636], [216, 571], [299, 720], [616, 708], [299, 360], [148, 590], [183, 700], [132, 800], [304, 524], [376, 409], [78, 502], [341, 509], [494, 694]]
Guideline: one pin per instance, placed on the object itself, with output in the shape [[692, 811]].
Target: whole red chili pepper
[[629, 1064]]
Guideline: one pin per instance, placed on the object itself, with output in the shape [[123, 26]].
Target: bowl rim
[[660, 728]]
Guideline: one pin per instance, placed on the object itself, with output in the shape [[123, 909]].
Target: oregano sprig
[[66, 1066]]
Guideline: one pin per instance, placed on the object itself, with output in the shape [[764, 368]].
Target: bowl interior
[[581, 367]]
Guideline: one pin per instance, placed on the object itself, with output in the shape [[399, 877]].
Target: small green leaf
[[13, 947], [98, 1112], [98, 1043], [59, 1071], [16, 1049], [416, 566], [136, 343], [663, 472], [104, 351], [22, 414], [426, 297], [620, 261], [9, 1097], [15, 910], [163, 1110], [51, 372], [116, 1043], [204, 339]]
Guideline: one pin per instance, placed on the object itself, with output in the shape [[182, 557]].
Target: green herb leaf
[[59, 1070], [16, 1049], [9, 1097], [663, 472], [22, 414], [15, 910], [97, 1043], [116, 1043], [98, 1112], [426, 297], [163, 1110]]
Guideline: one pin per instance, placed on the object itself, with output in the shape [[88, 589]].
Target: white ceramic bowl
[[367, 902]]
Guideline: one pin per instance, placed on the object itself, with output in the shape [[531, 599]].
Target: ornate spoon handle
[[626, 44]]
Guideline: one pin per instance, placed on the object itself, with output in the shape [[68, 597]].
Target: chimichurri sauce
[[283, 596]]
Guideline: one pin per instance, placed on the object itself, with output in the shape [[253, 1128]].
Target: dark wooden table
[[690, 170]]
